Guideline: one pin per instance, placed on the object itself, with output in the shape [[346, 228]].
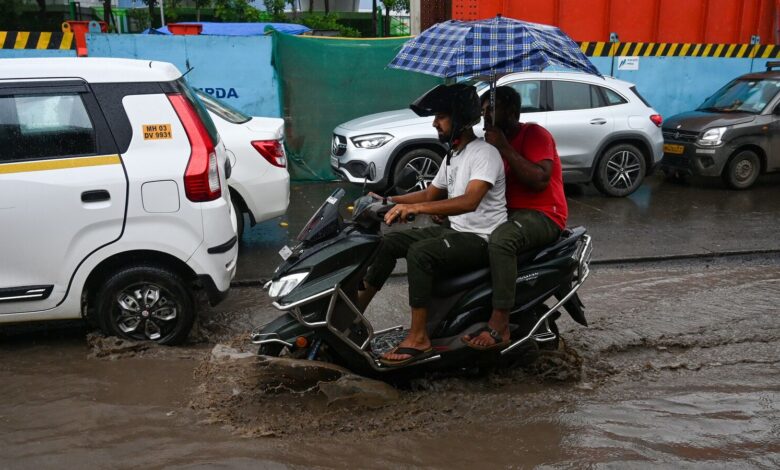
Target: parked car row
[[120, 196], [605, 131]]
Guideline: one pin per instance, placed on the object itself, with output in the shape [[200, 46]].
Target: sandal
[[495, 335], [414, 353]]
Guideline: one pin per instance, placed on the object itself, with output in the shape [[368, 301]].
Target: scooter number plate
[[285, 252]]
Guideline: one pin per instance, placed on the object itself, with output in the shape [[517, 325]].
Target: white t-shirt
[[478, 161]]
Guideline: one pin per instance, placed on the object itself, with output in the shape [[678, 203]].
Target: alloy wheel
[[623, 169], [146, 312], [426, 170]]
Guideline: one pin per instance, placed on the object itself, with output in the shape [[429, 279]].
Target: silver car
[[604, 130]]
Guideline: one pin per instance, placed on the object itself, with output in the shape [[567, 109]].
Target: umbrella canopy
[[488, 48]]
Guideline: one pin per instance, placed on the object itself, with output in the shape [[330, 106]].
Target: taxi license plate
[[675, 149], [334, 162]]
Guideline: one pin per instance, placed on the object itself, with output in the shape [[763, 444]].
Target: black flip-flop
[[495, 335], [414, 353]]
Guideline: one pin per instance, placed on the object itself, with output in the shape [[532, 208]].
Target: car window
[[572, 95], [530, 95], [222, 109], [45, 126], [741, 95], [612, 97]]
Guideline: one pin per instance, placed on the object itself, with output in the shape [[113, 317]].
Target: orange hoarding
[[685, 21]]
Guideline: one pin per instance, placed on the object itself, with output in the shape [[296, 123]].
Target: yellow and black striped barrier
[[675, 49], [36, 40]]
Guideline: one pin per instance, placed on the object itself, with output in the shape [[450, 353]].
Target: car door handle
[[598, 121], [97, 195]]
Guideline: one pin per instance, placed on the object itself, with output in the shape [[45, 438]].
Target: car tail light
[[271, 150], [201, 178], [657, 119]]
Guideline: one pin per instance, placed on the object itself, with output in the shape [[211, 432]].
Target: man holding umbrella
[[535, 201]]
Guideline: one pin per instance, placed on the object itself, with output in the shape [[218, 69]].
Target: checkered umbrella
[[489, 48]]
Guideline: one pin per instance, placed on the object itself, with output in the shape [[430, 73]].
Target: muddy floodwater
[[679, 368]]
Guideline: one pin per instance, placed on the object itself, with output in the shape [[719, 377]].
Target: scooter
[[317, 283]]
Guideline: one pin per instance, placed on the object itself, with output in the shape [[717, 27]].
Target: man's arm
[[468, 202], [431, 193], [534, 175]]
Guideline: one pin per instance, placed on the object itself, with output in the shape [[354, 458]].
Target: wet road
[[659, 219], [679, 368]]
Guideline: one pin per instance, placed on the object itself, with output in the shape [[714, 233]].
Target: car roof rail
[[772, 65]]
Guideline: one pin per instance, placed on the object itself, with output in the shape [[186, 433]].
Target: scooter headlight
[[285, 285]]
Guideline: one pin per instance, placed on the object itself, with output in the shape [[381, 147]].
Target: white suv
[[113, 200], [604, 130]]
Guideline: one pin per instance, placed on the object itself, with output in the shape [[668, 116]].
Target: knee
[[420, 258]]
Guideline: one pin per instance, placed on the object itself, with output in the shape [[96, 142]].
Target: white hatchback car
[[112, 197], [259, 182], [604, 130]]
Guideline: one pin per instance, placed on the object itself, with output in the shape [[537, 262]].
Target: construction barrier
[[325, 82], [235, 69], [36, 40], [646, 49]]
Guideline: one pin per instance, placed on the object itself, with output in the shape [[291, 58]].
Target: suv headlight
[[285, 285], [712, 137], [371, 141]]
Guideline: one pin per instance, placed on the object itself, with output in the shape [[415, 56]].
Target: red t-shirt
[[534, 143]]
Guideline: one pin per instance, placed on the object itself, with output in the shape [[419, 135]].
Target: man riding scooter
[[469, 188]]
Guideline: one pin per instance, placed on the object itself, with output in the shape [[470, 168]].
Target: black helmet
[[460, 101]]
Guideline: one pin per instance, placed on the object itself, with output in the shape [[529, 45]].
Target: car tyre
[[620, 171], [239, 216], [742, 170], [424, 161], [146, 303]]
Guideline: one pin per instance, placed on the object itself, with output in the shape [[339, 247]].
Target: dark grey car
[[734, 134]]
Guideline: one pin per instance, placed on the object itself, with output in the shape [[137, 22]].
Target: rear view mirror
[[371, 172]]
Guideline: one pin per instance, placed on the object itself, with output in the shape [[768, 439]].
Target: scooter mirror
[[371, 172]]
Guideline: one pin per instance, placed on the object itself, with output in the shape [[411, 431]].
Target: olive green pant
[[525, 230], [429, 252]]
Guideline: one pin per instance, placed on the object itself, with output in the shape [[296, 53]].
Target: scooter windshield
[[326, 222]]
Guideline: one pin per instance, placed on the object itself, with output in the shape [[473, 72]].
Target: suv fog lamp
[[371, 141], [712, 137], [285, 285]]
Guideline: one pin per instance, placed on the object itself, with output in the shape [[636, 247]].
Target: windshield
[[223, 110], [750, 96], [326, 222]]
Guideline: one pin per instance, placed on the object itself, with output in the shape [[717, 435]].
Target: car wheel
[[742, 170], [146, 303], [239, 216], [424, 162], [620, 170]]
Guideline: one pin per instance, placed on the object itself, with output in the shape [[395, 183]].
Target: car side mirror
[[776, 112]]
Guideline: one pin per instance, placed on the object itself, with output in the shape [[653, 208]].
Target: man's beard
[[444, 138]]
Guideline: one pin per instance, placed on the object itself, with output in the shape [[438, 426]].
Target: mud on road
[[680, 367]]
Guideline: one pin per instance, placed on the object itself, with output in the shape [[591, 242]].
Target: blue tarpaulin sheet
[[239, 29]]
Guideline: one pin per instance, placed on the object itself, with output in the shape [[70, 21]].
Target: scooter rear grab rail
[[583, 271]]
